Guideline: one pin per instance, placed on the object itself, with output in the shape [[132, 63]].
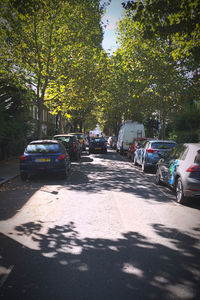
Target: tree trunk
[[163, 119], [40, 117]]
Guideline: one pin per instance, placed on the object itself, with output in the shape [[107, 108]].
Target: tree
[[158, 80], [176, 21], [42, 39], [15, 119]]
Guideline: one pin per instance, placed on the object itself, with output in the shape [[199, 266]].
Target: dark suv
[[71, 144]]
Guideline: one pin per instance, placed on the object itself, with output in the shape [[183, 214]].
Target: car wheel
[[144, 167], [180, 198], [24, 176], [157, 177]]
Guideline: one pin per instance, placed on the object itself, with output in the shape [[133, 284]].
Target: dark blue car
[[98, 145], [44, 156]]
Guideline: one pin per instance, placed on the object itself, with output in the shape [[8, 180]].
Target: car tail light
[[23, 158], [61, 156], [151, 151], [193, 168]]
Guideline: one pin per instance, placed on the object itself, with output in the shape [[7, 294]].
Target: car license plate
[[97, 148], [43, 160]]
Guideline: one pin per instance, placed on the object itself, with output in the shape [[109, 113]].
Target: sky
[[112, 14]]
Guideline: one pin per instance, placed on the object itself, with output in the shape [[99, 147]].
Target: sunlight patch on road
[[130, 269]]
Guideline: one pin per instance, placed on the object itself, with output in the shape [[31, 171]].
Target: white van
[[129, 130]]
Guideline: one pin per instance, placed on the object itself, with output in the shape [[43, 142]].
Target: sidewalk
[[8, 170]]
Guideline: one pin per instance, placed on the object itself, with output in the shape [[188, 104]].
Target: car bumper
[[51, 168], [192, 188], [96, 149]]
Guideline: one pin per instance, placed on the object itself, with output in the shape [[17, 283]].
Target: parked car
[[181, 171], [81, 137], [44, 156], [128, 132], [151, 151], [132, 148], [98, 145], [71, 144]]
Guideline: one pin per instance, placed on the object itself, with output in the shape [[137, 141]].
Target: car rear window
[[197, 157], [98, 140], [140, 143], [66, 139], [43, 148], [162, 145], [79, 136]]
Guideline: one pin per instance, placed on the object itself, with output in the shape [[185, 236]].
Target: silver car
[[181, 171]]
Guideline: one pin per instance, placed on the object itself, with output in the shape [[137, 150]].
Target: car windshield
[[43, 148], [160, 145], [66, 139]]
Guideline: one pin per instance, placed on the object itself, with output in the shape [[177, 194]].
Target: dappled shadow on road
[[66, 266], [110, 173]]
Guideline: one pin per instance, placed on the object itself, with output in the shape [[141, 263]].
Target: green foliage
[[186, 125], [52, 43], [177, 21], [14, 117]]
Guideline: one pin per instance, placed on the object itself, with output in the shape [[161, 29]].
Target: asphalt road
[[107, 232]]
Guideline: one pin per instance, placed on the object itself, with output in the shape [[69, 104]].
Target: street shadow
[[112, 176], [66, 266], [13, 196]]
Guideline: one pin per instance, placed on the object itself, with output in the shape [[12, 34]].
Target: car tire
[[180, 198], [24, 176], [157, 177]]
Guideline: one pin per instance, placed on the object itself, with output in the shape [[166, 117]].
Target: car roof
[[192, 144], [64, 134], [161, 141], [76, 133], [44, 142]]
